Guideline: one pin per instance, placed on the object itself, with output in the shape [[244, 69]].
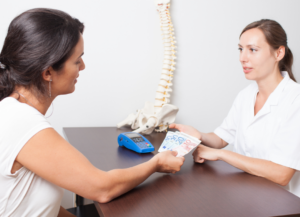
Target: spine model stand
[[159, 115], [164, 87]]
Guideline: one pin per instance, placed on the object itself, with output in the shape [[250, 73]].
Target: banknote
[[168, 141], [185, 148], [179, 139], [180, 142], [192, 138], [172, 140]]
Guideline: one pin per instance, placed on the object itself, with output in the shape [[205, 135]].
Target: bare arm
[[51, 157], [212, 140], [258, 167]]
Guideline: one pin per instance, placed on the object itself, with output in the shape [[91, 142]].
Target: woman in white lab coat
[[263, 123]]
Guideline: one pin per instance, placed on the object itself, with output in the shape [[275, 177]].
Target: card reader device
[[135, 142]]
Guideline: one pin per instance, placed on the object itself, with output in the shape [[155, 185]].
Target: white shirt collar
[[275, 95], [273, 98]]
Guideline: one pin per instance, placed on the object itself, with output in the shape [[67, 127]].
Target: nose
[[243, 56], [82, 67]]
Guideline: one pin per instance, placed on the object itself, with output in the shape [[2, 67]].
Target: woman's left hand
[[203, 153]]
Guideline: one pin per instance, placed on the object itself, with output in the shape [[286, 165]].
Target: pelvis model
[[158, 115]]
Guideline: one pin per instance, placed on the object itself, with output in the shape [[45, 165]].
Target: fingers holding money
[[167, 162], [174, 153], [186, 129]]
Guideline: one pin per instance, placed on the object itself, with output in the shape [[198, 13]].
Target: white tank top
[[23, 193]]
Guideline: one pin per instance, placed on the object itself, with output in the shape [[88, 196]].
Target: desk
[[214, 188]]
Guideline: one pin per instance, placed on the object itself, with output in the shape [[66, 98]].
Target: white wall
[[123, 57]]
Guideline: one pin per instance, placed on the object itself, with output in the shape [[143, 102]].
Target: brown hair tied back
[[36, 39], [276, 37]]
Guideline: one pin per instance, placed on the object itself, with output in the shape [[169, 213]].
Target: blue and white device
[[135, 142]]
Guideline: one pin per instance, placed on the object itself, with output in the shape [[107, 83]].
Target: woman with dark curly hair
[[40, 60]]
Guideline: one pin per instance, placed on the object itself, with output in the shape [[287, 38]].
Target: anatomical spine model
[[160, 114]]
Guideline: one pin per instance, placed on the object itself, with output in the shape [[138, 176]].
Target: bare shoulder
[[51, 157]]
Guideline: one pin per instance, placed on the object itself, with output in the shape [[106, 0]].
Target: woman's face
[[258, 59], [64, 81]]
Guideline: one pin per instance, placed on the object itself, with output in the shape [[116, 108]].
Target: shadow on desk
[[295, 215], [84, 211]]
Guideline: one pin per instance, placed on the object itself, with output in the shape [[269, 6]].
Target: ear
[[280, 52], [48, 74]]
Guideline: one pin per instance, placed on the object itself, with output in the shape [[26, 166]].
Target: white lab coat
[[273, 133]]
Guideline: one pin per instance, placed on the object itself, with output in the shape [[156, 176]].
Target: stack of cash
[[180, 142]]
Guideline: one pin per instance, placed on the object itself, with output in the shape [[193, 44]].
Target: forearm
[[52, 158], [212, 140], [120, 181], [258, 167]]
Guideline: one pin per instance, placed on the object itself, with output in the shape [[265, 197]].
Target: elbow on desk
[[102, 196], [104, 199], [98, 195], [103, 189], [283, 180]]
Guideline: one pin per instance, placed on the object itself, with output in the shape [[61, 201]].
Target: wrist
[[154, 163], [221, 154], [201, 137]]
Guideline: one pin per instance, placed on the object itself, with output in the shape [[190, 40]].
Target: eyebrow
[[80, 55], [249, 45]]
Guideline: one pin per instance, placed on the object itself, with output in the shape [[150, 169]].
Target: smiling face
[[63, 82], [257, 57]]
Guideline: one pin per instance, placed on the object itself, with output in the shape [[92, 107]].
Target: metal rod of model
[[159, 115]]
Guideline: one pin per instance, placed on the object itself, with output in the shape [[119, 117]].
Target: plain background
[[124, 53]]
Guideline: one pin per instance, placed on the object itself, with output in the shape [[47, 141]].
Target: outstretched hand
[[186, 129], [167, 162], [203, 153]]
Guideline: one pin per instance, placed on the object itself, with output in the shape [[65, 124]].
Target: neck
[[42, 105], [268, 84]]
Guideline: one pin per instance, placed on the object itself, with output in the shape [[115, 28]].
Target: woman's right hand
[[167, 162], [186, 129]]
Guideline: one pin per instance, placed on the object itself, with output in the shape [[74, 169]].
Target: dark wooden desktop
[[213, 189]]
